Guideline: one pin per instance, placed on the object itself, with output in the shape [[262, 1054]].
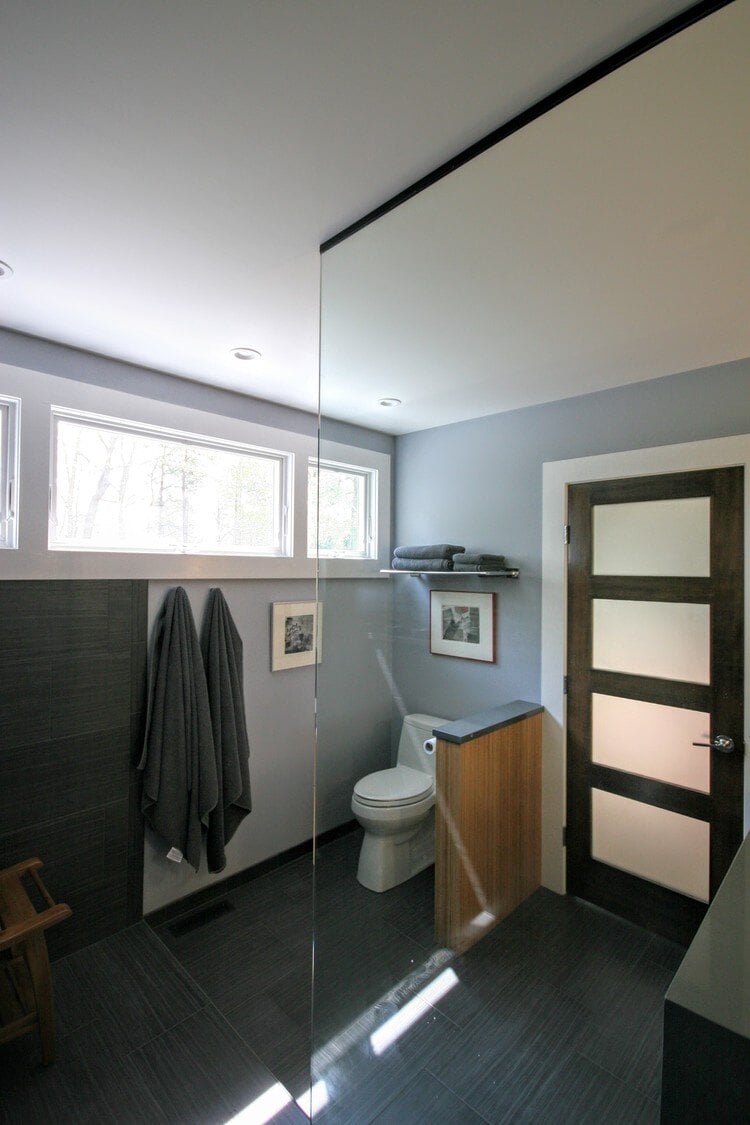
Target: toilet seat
[[394, 788]]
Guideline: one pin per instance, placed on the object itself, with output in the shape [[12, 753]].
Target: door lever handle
[[721, 742]]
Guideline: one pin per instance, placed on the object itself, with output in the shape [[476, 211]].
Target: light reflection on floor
[[382, 1034]]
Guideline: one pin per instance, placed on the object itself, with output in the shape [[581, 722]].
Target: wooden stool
[[25, 984]]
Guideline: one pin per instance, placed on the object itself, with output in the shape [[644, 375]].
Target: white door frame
[[557, 475]]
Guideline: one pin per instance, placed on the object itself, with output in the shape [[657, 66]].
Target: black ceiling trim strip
[[568, 90]]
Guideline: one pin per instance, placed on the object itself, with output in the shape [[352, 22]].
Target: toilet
[[396, 809]]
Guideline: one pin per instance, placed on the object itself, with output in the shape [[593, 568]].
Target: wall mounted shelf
[[509, 572]]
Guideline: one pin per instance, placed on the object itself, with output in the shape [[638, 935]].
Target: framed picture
[[295, 634], [462, 624]]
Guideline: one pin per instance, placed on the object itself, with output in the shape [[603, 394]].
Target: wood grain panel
[[670, 693], [488, 830], [650, 589]]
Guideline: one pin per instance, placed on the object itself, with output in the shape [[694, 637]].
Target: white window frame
[[10, 442], [369, 516], [284, 458]]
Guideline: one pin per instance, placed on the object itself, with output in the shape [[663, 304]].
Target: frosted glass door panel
[[651, 740], [669, 640], [658, 538], [653, 843]]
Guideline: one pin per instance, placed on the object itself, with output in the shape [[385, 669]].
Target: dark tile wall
[[72, 701]]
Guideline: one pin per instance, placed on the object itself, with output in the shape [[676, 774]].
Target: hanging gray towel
[[222, 656], [178, 762]]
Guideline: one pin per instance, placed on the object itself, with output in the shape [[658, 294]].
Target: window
[[342, 502], [120, 486], [10, 409]]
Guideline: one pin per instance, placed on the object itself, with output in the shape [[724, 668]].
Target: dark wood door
[[655, 693]]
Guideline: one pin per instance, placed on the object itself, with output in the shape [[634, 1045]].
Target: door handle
[[721, 742]]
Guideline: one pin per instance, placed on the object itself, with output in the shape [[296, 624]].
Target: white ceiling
[[606, 243], [171, 166]]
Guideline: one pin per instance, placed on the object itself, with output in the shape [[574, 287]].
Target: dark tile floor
[[554, 1017]]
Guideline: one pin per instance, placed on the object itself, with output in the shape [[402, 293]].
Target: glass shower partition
[[377, 970]]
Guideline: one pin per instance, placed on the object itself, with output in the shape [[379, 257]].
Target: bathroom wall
[[354, 723], [72, 671], [479, 483], [33, 354]]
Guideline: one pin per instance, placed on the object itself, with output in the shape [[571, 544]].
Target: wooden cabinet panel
[[488, 829]]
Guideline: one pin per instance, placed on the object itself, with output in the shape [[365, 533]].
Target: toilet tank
[[414, 732]]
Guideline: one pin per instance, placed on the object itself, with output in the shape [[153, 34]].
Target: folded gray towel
[[478, 558], [478, 568], [421, 564], [431, 552]]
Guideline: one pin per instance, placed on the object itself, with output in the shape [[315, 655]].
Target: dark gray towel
[[178, 761], [476, 568], [435, 551], [479, 557], [222, 657], [421, 564], [484, 561]]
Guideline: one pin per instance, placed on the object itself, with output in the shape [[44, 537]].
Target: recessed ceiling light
[[5, 270], [389, 402], [245, 353]]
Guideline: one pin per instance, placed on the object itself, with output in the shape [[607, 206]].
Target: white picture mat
[[281, 613], [446, 600]]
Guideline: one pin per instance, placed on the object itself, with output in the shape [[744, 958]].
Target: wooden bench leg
[[37, 960]]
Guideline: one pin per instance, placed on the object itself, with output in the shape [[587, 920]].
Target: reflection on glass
[[420, 1005], [668, 640], [651, 740], [665, 847], [377, 970], [314, 1100], [654, 537], [263, 1108]]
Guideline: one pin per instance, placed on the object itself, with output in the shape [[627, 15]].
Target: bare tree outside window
[[339, 502], [120, 489]]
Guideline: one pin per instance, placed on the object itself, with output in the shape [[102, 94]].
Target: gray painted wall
[[354, 716], [35, 354], [479, 483], [353, 722], [354, 699], [280, 718], [20, 350]]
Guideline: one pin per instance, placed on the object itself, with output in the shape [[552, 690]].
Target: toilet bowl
[[396, 809]]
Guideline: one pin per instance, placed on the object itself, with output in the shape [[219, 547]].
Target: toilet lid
[[398, 786]]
